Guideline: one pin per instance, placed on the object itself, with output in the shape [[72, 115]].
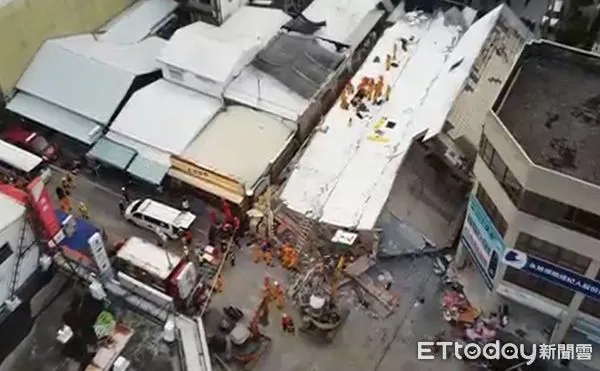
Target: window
[[485, 150], [511, 185], [176, 73], [562, 214], [136, 206], [538, 285], [553, 253], [150, 219], [474, 77], [5, 252], [501, 172], [591, 306], [491, 209], [39, 144]]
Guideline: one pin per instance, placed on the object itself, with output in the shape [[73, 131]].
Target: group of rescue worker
[[286, 254], [63, 193], [272, 292]]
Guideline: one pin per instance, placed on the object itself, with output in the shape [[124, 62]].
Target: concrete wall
[[471, 107], [539, 180], [25, 24]]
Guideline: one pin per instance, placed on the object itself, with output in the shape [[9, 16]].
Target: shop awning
[[112, 153], [55, 117], [207, 187], [151, 171]]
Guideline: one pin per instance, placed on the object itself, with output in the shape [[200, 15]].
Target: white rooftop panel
[[165, 116], [262, 91], [343, 18], [18, 158], [219, 53], [350, 188], [137, 59], [240, 133], [85, 86], [85, 76], [455, 73], [149, 257], [137, 22]]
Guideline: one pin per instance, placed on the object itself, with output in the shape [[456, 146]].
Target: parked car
[[32, 142], [553, 14], [159, 218]]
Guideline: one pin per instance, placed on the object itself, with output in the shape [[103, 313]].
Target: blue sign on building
[[553, 273], [481, 238]]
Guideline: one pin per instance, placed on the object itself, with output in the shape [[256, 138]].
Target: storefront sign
[[100, 257], [552, 273], [207, 175], [40, 201], [480, 237]]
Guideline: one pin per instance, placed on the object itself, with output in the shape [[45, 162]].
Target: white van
[[159, 218]]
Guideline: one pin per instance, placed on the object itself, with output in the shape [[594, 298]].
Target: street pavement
[[102, 200], [368, 341], [364, 343]]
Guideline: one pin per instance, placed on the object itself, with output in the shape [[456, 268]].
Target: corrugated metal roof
[[299, 62], [112, 153], [137, 59], [165, 116], [137, 22], [240, 133], [85, 76], [345, 175], [262, 91], [231, 46], [148, 170], [149, 257], [142, 149], [17, 157], [342, 18], [55, 117]]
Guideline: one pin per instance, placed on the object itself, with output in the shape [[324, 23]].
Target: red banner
[[41, 204]]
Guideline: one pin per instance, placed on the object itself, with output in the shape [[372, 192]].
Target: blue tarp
[[83, 231]]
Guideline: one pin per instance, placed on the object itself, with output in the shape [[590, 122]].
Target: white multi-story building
[[533, 221], [19, 255]]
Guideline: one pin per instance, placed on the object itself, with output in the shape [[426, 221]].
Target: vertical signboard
[[481, 238], [40, 201], [100, 257]]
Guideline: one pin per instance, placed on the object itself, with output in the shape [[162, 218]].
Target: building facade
[[25, 24], [533, 222]]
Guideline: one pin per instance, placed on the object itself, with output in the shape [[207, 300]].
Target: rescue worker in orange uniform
[[388, 91], [378, 89], [287, 324], [344, 101], [277, 295], [219, 283], [293, 261], [65, 205], [267, 253], [267, 291], [256, 253]]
